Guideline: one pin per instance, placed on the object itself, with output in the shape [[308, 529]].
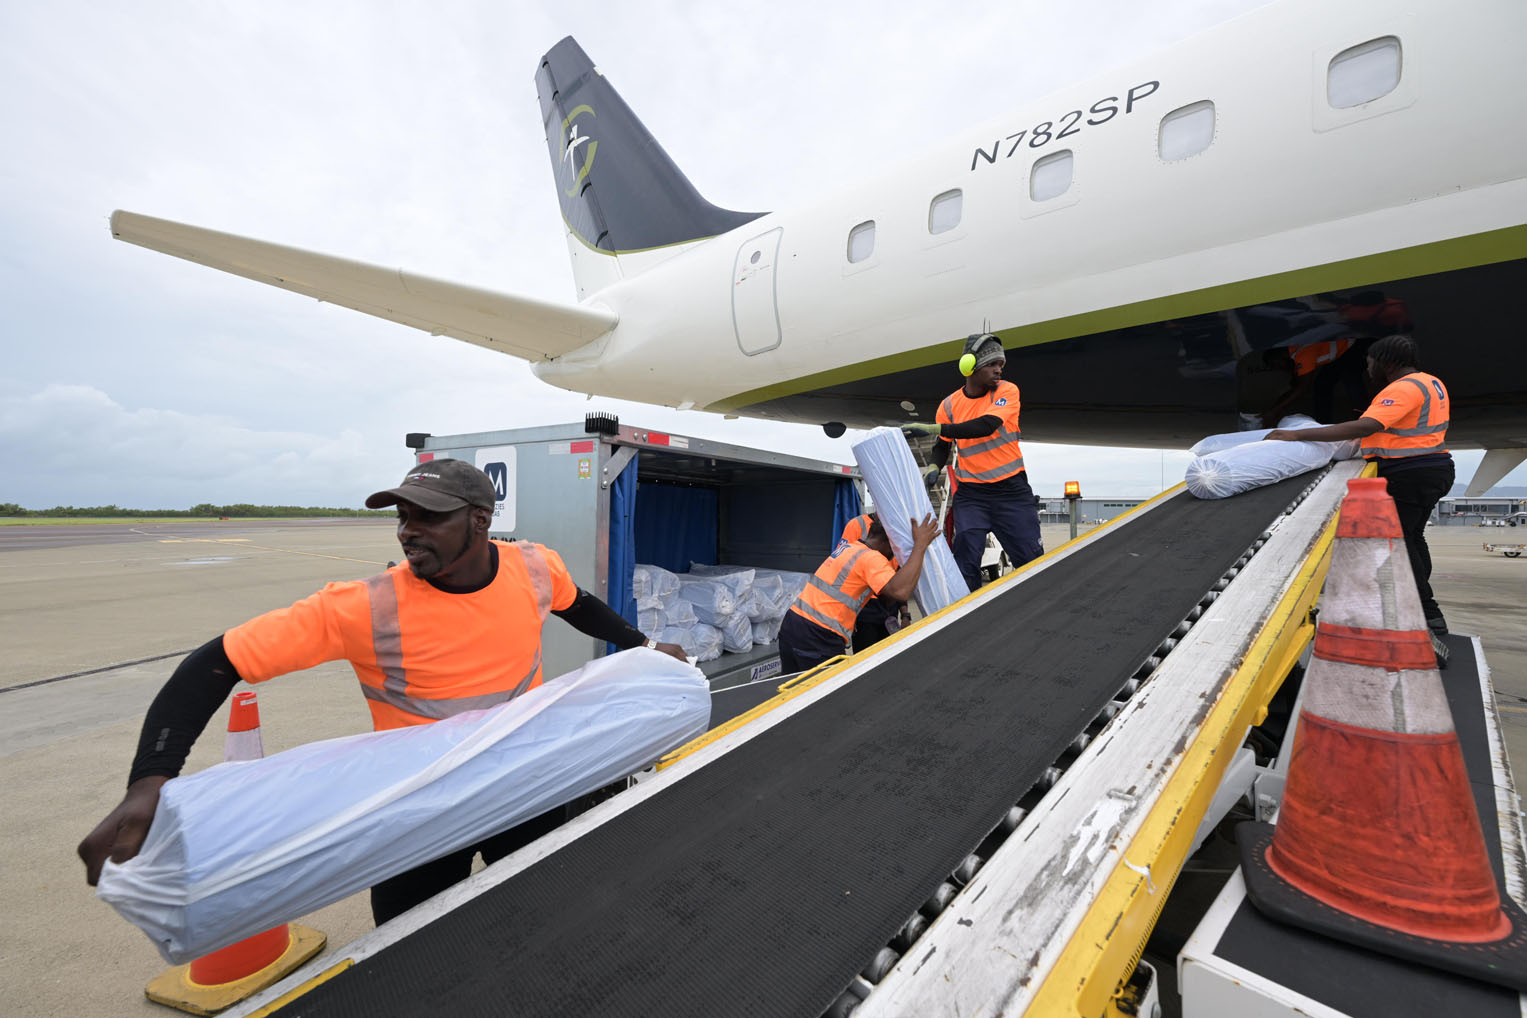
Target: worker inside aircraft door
[[755, 314]]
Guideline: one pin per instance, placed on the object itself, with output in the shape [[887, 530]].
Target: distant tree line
[[242, 509]]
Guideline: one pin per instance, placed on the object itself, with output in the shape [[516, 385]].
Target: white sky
[[409, 134]]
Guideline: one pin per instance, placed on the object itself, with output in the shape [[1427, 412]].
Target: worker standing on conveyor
[[880, 616], [1404, 430], [993, 494], [821, 622], [456, 628]]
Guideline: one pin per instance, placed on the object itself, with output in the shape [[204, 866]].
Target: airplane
[[1153, 246]]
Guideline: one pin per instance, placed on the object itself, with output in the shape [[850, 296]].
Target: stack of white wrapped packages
[[242, 847], [1238, 461], [714, 608], [896, 485]]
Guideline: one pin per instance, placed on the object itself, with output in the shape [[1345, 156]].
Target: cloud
[[75, 445]]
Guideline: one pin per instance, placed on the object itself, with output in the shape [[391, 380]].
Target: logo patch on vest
[[1386, 402], [1002, 401]]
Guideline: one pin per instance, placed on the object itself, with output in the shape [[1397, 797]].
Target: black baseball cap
[[440, 485]]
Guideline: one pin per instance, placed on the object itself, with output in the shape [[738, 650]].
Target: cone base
[[1502, 962], [174, 988]]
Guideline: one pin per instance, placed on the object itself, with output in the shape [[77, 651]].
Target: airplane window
[[861, 241], [1363, 73], [1051, 176], [944, 212], [1186, 131]]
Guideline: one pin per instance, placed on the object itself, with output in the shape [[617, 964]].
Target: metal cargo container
[[605, 495]]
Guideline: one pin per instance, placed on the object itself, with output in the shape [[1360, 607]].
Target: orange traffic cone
[[223, 978], [1378, 841]]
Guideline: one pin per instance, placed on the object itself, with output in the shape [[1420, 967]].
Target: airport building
[[1090, 510], [1462, 511]]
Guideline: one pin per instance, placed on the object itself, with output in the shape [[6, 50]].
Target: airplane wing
[[522, 326]]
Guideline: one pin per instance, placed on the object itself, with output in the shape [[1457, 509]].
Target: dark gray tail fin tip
[[619, 190]]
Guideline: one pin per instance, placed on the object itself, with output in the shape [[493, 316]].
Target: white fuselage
[[1288, 182]]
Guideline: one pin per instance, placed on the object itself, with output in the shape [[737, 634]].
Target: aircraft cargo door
[[755, 313]]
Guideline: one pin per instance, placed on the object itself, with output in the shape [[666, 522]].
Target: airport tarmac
[[95, 618]]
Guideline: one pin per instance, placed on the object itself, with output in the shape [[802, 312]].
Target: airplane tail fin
[[621, 194]]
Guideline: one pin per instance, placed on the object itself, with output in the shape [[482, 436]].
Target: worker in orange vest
[[881, 616], [821, 622], [1404, 431], [993, 494], [455, 628]]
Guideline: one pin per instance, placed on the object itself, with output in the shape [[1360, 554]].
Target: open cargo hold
[[606, 496]]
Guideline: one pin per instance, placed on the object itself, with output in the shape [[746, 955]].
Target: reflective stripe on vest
[[1422, 427], [540, 575], [387, 645], [834, 590], [985, 444], [994, 474], [825, 621]]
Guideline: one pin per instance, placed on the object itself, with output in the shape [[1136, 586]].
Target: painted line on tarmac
[[95, 671]]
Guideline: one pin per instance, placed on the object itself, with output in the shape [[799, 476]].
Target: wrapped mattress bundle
[[1229, 464], [896, 485], [653, 586], [713, 601], [241, 847], [771, 588], [651, 620], [680, 613], [700, 641], [737, 579], [767, 630], [737, 633]]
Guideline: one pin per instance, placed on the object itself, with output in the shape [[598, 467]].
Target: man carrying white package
[[992, 494], [1403, 431], [455, 628]]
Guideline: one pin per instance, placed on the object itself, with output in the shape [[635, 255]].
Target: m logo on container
[[498, 473], [499, 462]]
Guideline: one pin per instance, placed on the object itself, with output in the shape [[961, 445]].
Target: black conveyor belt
[[761, 883]]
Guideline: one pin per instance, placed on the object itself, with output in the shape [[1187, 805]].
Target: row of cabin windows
[[1355, 76]]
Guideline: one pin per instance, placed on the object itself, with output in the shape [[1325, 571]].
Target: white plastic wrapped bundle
[[700, 641], [242, 847], [653, 586], [651, 620], [737, 634], [680, 613], [794, 584], [737, 579], [1255, 463], [713, 601], [896, 485], [754, 606], [767, 630], [1293, 422], [768, 585]]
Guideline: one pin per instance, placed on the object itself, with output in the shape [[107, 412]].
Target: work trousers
[[1011, 514], [804, 644], [870, 627], [396, 895], [1415, 493]]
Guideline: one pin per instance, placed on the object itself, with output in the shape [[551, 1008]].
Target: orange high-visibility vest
[[1414, 411], [1312, 355], [856, 529], [842, 584], [993, 457], [421, 654]]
